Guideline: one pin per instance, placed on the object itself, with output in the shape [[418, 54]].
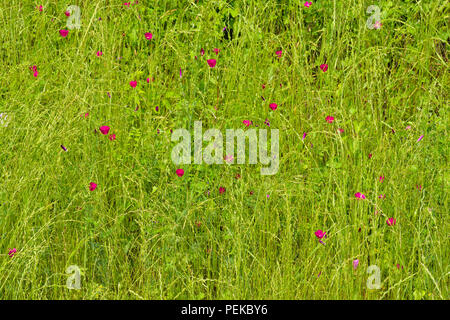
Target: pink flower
[[408, 127], [86, 115], [391, 221], [148, 36], [308, 4], [329, 119], [41, 8], [133, 84], [221, 190], [370, 156], [67, 13], [320, 234], [324, 67], [341, 130], [247, 123], [279, 53], [377, 25], [273, 106], [263, 86], [112, 137], [355, 264], [99, 53], [359, 195], [63, 33], [12, 252], [381, 178], [216, 50], [202, 52], [180, 73], [104, 130], [212, 63], [180, 172], [35, 74], [420, 138], [229, 158], [92, 186]]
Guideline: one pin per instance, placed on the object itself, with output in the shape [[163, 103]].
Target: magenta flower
[[324, 67], [279, 53], [420, 138], [221, 190], [329, 119], [359, 195], [63, 33], [99, 53], [355, 264], [133, 84], [304, 135], [180, 172], [67, 13], [216, 50], [212, 63], [381, 196], [112, 137], [35, 74], [340, 130], [370, 156], [64, 148], [180, 73], [273, 106], [104, 130], [92, 186], [320, 234], [202, 52], [247, 123], [148, 36], [308, 4], [12, 252], [41, 8], [381, 179], [408, 127], [391, 221]]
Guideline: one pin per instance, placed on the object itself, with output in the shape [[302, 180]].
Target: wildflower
[[212, 63], [202, 52], [64, 148], [391, 221], [180, 172], [324, 67], [273, 106], [355, 264], [92, 186], [104, 130], [221, 190], [12, 252], [148, 36], [63, 33], [360, 195], [329, 119], [216, 50], [420, 138], [279, 53], [99, 53], [112, 137], [133, 84], [308, 4]]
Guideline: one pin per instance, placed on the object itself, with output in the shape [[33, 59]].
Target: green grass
[[136, 237]]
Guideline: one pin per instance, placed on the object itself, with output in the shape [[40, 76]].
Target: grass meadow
[[361, 111]]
